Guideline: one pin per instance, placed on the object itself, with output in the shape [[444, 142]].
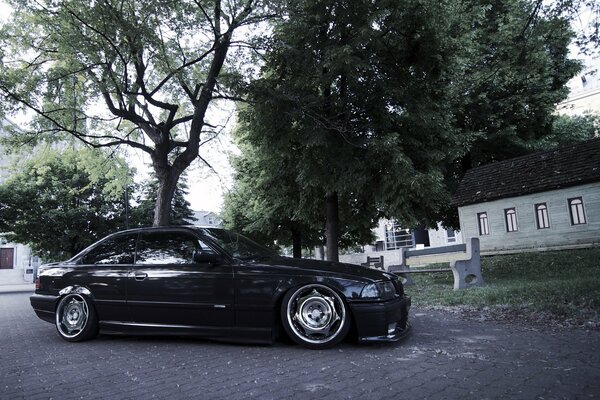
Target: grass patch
[[559, 285]]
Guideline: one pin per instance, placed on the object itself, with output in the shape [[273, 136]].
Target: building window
[[451, 235], [7, 256], [510, 215], [576, 211], [541, 216], [396, 237], [484, 227]]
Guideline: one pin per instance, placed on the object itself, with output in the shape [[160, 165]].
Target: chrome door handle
[[140, 276]]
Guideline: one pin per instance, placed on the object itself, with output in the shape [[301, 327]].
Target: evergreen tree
[[142, 214]]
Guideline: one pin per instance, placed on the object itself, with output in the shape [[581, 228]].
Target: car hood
[[328, 268]]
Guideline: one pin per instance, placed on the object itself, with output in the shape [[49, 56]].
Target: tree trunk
[[297, 243], [332, 226], [167, 183]]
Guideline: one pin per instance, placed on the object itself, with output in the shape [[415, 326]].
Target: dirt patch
[[586, 319]]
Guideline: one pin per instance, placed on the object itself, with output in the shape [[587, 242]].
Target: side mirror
[[204, 257]]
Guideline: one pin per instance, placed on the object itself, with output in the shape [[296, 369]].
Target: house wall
[[439, 237], [22, 269], [561, 233]]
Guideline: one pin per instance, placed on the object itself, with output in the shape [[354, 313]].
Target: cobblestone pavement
[[445, 357]]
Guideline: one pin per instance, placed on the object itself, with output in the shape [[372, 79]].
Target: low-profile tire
[[75, 318], [315, 316]]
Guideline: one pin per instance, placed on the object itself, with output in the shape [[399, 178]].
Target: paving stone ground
[[444, 358]]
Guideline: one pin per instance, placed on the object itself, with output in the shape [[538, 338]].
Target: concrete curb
[[25, 287]]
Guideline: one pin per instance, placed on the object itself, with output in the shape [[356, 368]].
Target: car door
[[168, 287], [104, 270]]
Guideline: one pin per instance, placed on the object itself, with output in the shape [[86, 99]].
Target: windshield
[[238, 246]]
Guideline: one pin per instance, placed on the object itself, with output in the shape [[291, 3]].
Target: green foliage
[[569, 130], [517, 69], [347, 103], [564, 284], [60, 201], [142, 214]]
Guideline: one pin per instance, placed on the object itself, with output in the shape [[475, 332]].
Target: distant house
[[545, 200], [207, 218], [389, 235], [391, 238]]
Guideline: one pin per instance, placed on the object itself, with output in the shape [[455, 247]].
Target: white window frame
[[542, 216], [483, 224], [510, 218], [577, 211]]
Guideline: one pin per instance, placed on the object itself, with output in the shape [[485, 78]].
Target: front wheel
[[76, 318], [315, 316]]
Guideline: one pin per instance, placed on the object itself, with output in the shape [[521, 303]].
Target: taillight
[[37, 283]]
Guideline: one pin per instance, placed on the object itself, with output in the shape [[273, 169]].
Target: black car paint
[[224, 298]]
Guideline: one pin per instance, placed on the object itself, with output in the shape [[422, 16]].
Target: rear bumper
[[44, 306], [382, 321]]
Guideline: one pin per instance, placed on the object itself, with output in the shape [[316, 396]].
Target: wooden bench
[[374, 262], [463, 259]]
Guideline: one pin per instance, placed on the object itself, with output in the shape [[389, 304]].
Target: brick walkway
[[445, 357]]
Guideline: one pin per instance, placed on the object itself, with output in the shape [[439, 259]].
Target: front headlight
[[379, 290]]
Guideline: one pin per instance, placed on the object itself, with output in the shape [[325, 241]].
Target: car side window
[[117, 250], [167, 248]]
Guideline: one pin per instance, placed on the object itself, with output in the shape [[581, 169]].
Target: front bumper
[[385, 321], [44, 306]]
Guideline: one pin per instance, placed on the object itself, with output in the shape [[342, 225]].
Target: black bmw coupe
[[217, 284]]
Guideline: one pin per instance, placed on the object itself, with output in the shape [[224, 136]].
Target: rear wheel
[[315, 316], [76, 318]]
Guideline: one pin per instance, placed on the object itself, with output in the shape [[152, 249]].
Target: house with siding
[[541, 201]]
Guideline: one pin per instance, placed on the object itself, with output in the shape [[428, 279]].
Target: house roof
[[566, 166]]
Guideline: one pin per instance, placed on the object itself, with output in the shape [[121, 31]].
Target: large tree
[[268, 203], [135, 73], [354, 103], [60, 201]]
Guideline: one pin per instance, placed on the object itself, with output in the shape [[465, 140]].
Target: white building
[[391, 238], [584, 91]]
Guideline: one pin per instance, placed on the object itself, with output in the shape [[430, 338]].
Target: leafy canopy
[[59, 202]]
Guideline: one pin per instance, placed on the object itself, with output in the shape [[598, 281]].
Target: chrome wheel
[[316, 316], [74, 318]]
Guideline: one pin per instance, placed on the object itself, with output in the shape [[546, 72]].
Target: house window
[[541, 216], [510, 215], [576, 211], [484, 227], [7, 256], [396, 237], [450, 235]]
